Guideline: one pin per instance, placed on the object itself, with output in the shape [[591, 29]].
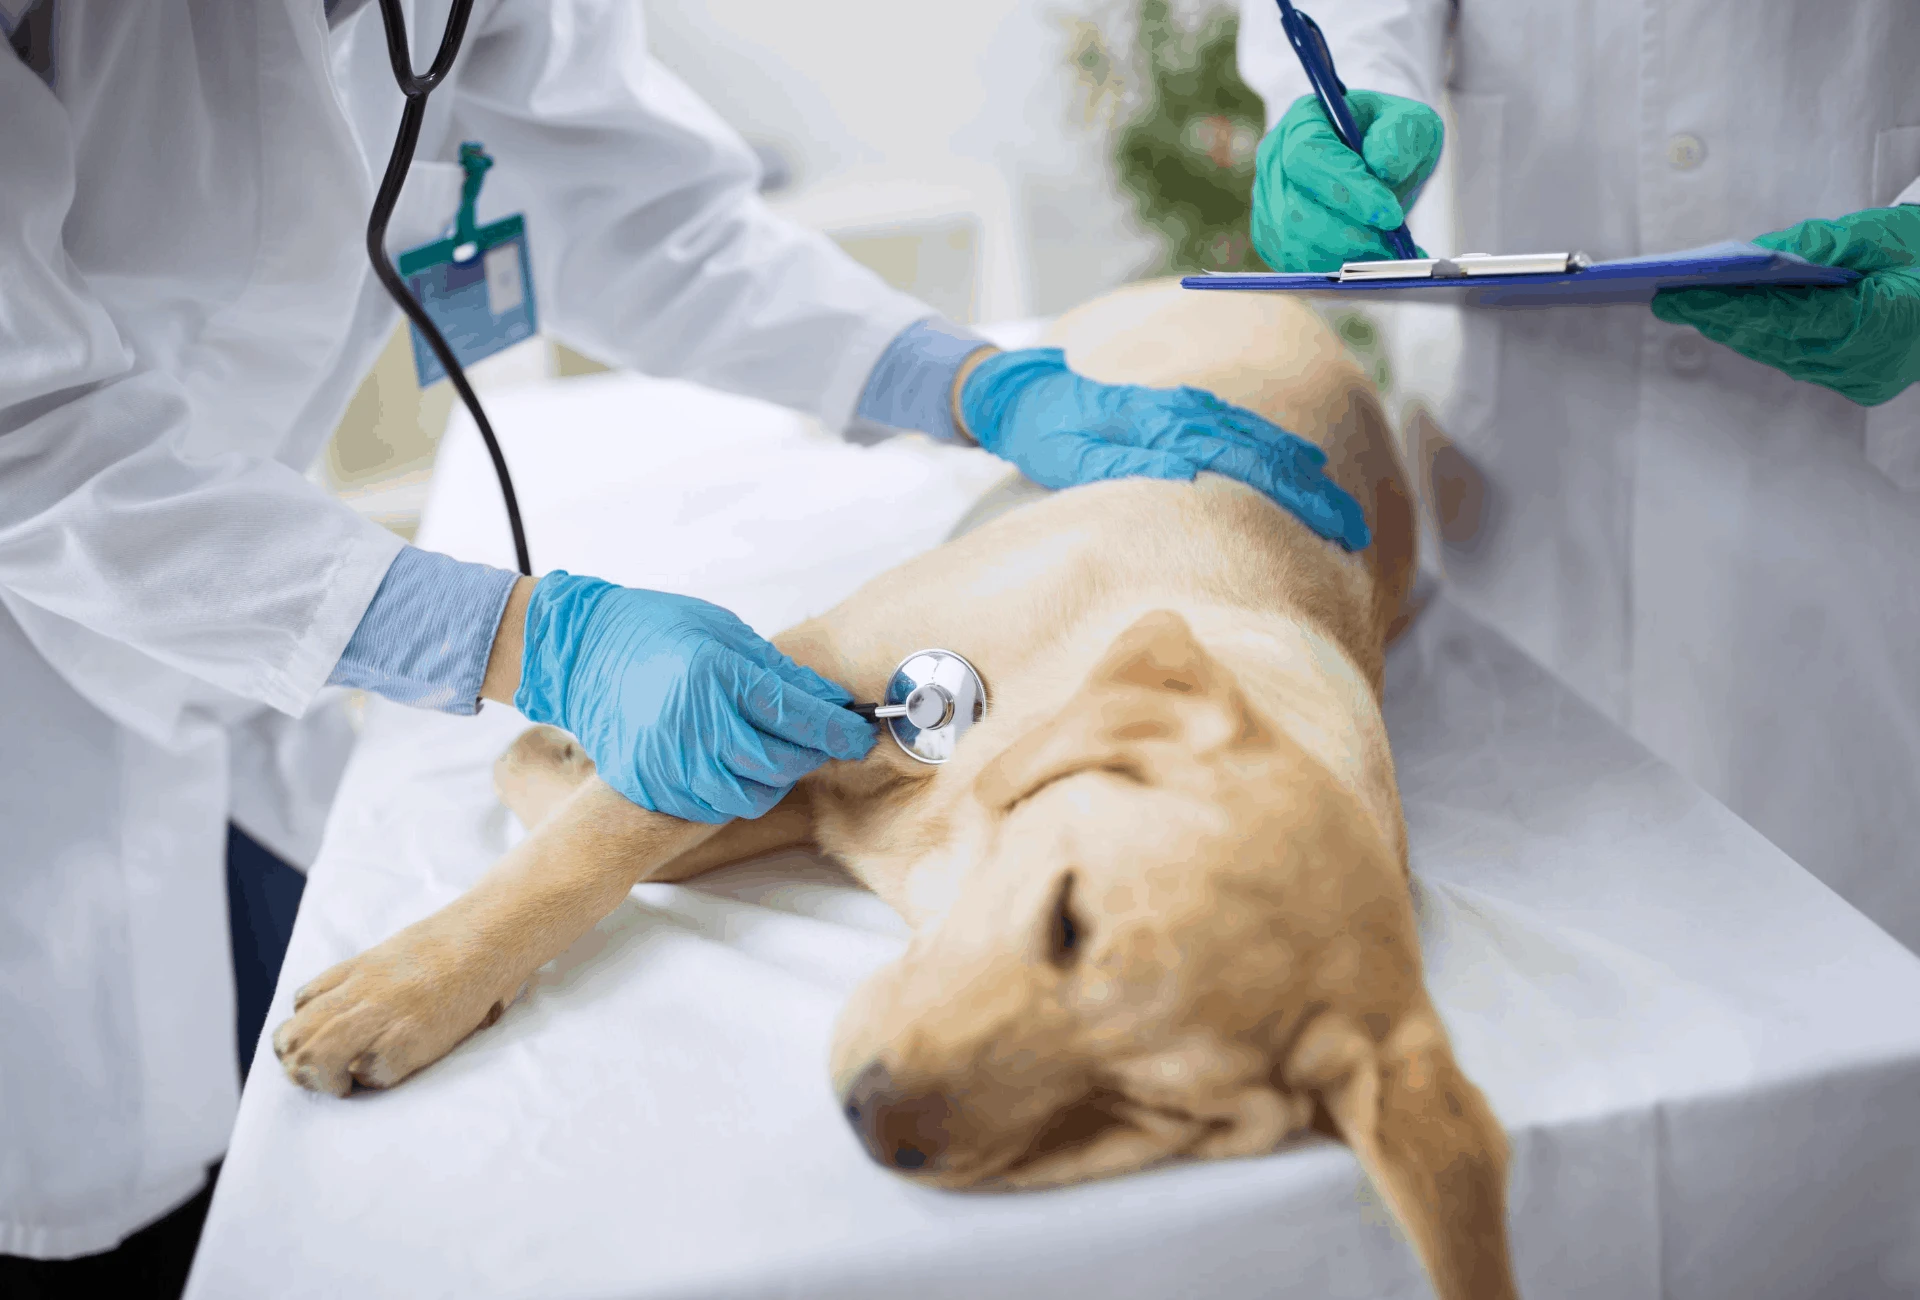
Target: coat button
[[1686, 354], [1685, 152]]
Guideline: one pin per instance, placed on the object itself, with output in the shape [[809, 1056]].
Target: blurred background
[[1002, 160]]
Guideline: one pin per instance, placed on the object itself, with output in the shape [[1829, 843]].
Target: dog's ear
[[1426, 1138], [1155, 687]]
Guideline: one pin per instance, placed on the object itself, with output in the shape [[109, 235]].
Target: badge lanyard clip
[[474, 160]]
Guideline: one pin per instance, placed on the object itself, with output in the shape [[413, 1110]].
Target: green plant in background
[[1186, 155], [1158, 77]]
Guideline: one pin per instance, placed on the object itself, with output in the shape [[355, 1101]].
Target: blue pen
[[1304, 35]]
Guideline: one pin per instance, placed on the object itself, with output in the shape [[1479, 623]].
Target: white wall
[[977, 94]]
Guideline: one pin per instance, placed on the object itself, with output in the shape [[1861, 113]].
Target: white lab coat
[[1722, 559], [187, 309]]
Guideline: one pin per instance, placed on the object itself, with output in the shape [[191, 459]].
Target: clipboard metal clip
[[1465, 266]]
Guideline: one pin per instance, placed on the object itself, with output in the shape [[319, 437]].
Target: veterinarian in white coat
[[184, 186], [1723, 559]]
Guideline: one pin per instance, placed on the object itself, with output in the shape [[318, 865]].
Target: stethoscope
[[416, 88], [934, 696]]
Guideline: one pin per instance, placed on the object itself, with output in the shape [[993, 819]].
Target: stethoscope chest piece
[[935, 696]]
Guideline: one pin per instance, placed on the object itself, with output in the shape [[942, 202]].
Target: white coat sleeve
[[1395, 46], [233, 569], [650, 243], [1893, 428]]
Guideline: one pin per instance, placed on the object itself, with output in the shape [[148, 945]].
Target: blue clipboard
[[1629, 280]]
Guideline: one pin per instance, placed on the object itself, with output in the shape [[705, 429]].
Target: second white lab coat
[[187, 311], [1722, 559]]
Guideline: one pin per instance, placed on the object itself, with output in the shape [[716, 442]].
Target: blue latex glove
[[686, 710], [1063, 430]]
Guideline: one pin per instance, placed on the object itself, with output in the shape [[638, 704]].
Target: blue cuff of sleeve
[[426, 636], [911, 386]]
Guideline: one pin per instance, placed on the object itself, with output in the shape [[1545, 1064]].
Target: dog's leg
[[544, 765], [789, 825], [405, 1003]]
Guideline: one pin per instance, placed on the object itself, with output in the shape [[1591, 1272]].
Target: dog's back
[[1273, 354]]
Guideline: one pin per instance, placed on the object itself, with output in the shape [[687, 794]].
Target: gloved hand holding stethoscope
[[684, 708]]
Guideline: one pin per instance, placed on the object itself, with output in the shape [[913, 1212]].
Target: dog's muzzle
[[904, 1131]]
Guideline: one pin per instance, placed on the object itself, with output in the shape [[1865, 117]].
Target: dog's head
[[1181, 936]]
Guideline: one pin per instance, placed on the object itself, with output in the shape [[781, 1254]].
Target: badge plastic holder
[[476, 283]]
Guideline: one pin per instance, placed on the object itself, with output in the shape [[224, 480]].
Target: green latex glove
[[1317, 204], [1861, 339]]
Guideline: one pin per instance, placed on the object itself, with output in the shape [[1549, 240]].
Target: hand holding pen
[[1337, 173]]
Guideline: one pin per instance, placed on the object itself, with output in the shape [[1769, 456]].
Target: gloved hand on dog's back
[[684, 708], [1062, 430]]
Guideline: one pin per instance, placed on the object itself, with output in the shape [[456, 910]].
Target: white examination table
[[1709, 1065]]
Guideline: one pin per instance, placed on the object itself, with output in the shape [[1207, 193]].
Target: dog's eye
[[1064, 929]]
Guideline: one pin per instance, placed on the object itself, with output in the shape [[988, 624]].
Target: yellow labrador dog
[[1159, 896]]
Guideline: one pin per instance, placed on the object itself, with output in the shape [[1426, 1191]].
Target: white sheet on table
[[1709, 1065]]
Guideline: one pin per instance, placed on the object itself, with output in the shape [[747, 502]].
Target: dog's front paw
[[377, 1018]]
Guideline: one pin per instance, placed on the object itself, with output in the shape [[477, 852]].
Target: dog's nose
[[901, 1131]]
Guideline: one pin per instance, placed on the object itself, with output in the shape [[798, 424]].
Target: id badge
[[478, 291]]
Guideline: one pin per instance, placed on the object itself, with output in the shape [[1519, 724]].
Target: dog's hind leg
[[538, 771]]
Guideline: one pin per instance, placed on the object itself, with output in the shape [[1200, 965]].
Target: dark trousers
[[263, 894]]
